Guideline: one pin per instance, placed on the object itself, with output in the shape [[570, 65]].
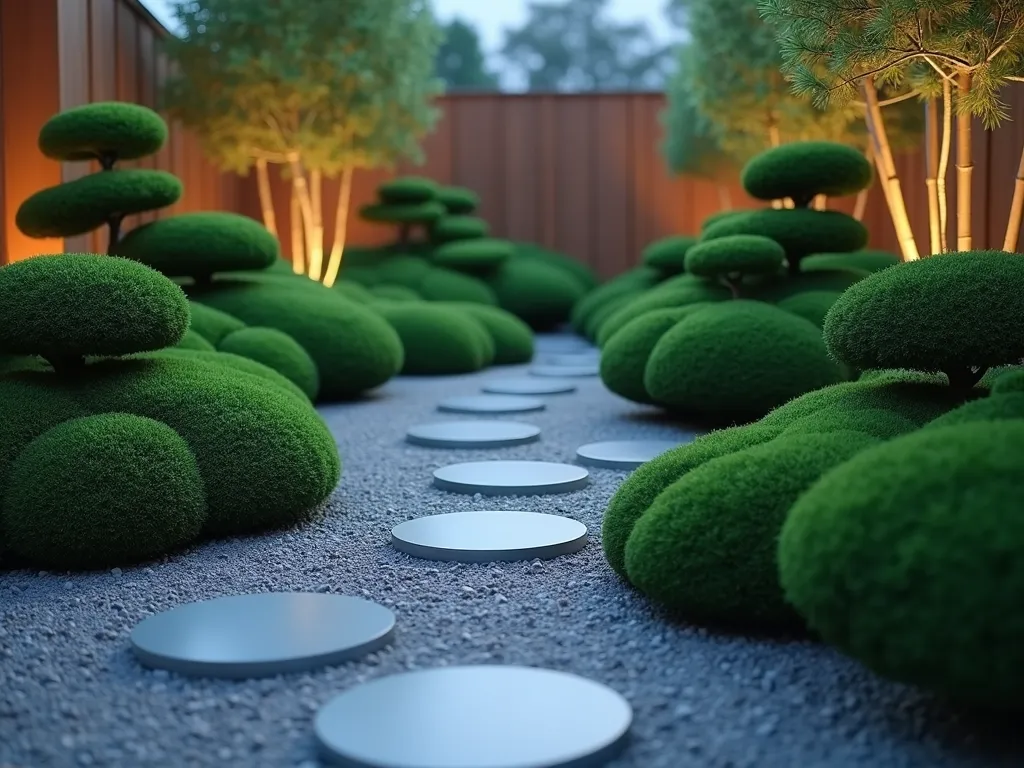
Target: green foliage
[[801, 170], [539, 293], [403, 270], [212, 324], [354, 349], [1010, 382], [955, 313], [681, 291], [80, 206], [810, 305], [461, 63], [786, 287], [736, 361], [456, 227], [228, 242], [734, 257], [996, 408], [405, 213], [877, 422], [637, 279], [437, 340], [646, 483], [407, 190], [458, 201], [192, 340], [353, 291], [102, 490], [577, 269], [441, 284], [394, 293], [104, 131], [477, 255], [707, 545], [917, 539], [276, 350], [512, 337], [232, 362], [668, 254], [68, 306], [866, 260]]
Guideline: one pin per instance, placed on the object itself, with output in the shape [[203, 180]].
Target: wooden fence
[[579, 173]]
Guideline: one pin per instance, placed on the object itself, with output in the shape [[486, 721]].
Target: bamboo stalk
[[820, 202], [298, 246], [964, 169], [890, 178], [860, 205], [266, 196], [1016, 210], [947, 134], [316, 246], [724, 196], [301, 187], [340, 226], [931, 180]]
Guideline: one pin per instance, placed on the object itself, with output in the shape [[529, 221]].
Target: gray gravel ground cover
[[72, 694]]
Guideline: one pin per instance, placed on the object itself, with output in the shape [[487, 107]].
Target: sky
[[492, 16]]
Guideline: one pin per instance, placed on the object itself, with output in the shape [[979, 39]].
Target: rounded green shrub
[[458, 201], [212, 324], [452, 228], [714, 218], [800, 170], [779, 289], [560, 261], [103, 131], [867, 260], [102, 490], [731, 258], [409, 213], [907, 557], [606, 311], [707, 545], [394, 293], [192, 340], [407, 271], [993, 408], [810, 305], [625, 353], [234, 364], [539, 294], [646, 483], [668, 255], [632, 281], [80, 206], [737, 361], [276, 350], [481, 254], [68, 306], [679, 291], [197, 245], [437, 340], [956, 313], [512, 337], [877, 422], [1010, 382], [408, 189], [353, 291], [441, 284], [354, 349]]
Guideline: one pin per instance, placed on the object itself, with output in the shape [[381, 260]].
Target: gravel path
[[71, 693]]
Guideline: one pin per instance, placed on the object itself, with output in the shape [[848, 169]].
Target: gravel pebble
[[72, 694]]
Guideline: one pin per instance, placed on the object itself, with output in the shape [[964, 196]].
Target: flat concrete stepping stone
[[622, 454], [473, 434], [245, 636], [486, 537], [565, 371], [491, 404], [511, 478], [486, 716], [529, 385]]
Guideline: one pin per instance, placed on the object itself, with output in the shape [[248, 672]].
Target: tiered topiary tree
[[668, 255], [410, 203], [730, 259]]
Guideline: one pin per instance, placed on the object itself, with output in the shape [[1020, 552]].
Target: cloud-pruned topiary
[[801, 170], [67, 307], [233, 362], [475, 256], [410, 203], [583, 273], [212, 324], [730, 259], [868, 260], [512, 337], [197, 245], [876, 422], [407, 189], [438, 340], [810, 305], [632, 281], [103, 131], [540, 294], [1010, 382], [958, 314], [453, 228], [707, 545], [913, 540], [458, 201], [736, 361], [1000, 407], [277, 350], [103, 489], [668, 255]]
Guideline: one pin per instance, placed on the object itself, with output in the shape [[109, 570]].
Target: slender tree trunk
[[298, 243], [931, 145], [820, 203], [860, 205], [775, 140], [964, 169], [301, 187], [947, 140], [1016, 210], [887, 169], [316, 246], [340, 226], [266, 196], [724, 196]]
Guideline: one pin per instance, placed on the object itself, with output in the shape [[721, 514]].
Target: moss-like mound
[[192, 340], [737, 361], [637, 279], [996, 408], [437, 340], [707, 545], [800, 231], [277, 350], [668, 255], [408, 189], [512, 337], [734, 257], [102, 490], [600, 316], [803, 169], [69, 306], [913, 541], [353, 291], [451, 228], [560, 261], [458, 201], [441, 284], [199, 244], [867, 260], [810, 305], [1009, 382], [541, 295], [777, 290], [956, 313], [354, 349], [80, 206], [625, 353], [408, 271], [103, 131], [394, 293], [643, 486], [411, 213], [714, 218], [212, 324], [477, 255], [233, 363], [876, 422]]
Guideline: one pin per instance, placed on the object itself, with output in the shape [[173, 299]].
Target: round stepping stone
[[565, 371], [245, 636], [622, 454], [485, 537], [529, 385], [472, 434], [511, 478], [486, 716], [491, 404]]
